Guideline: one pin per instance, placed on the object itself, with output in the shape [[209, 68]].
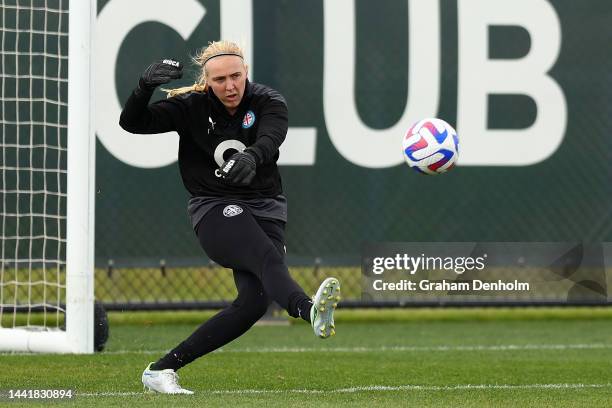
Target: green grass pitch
[[437, 358]]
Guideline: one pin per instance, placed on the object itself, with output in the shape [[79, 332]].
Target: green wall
[[335, 205]]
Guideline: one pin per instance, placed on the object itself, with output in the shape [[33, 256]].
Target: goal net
[[47, 176]]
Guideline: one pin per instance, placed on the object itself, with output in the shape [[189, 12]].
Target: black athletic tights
[[254, 249]]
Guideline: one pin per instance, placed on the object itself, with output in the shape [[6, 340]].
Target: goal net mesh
[[33, 120]]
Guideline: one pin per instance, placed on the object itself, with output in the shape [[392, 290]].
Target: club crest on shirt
[[232, 210], [248, 120]]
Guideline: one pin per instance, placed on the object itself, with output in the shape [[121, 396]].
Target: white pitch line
[[377, 388], [501, 347]]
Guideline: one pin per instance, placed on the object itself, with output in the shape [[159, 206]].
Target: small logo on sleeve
[[248, 120]]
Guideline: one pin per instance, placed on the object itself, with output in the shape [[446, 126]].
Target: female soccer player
[[230, 130]]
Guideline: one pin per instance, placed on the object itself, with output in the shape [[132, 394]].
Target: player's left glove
[[159, 73], [239, 168]]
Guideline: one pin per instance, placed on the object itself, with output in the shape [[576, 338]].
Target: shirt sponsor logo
[[232, 210], [248, 120]]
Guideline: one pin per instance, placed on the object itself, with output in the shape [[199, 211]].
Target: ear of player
[[160, 72], [240, 168]]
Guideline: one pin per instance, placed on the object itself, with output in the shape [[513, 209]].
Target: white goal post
[[48, 176]]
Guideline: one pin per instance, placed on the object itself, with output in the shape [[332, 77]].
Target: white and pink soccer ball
[[431, 146]]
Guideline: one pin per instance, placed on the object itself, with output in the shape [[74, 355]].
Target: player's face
[[227, 75]]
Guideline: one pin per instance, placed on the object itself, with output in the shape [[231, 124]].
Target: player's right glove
[[158, 73], [240, 168]]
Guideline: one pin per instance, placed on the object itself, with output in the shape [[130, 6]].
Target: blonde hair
[[214, 49]]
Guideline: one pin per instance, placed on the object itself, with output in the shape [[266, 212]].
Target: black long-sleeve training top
[[209, 135]]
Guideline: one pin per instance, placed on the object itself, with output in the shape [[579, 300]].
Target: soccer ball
[[431, 146]]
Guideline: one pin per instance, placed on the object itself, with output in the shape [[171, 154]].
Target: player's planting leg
[[325, 302], [227, 325]]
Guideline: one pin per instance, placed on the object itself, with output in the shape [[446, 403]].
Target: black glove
[[240, 168], [160, 72]]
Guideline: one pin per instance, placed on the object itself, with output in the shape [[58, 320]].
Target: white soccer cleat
[[323, 305], [162, 381]]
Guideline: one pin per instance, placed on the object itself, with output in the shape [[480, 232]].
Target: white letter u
[[356, 141]]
